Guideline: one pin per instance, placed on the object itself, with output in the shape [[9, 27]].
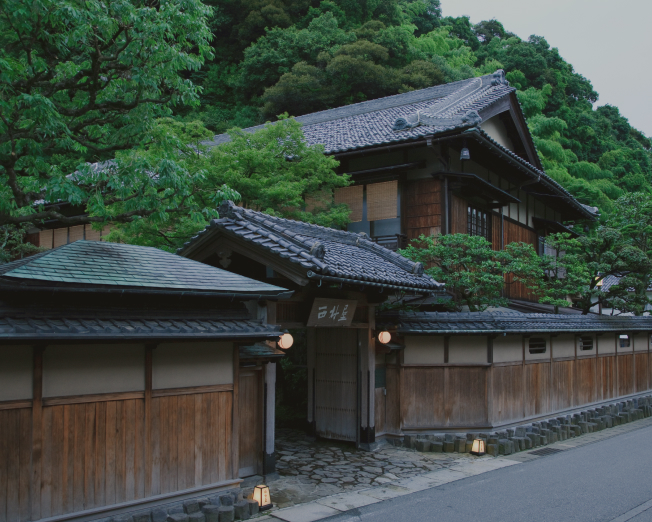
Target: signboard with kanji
[[332, 312]]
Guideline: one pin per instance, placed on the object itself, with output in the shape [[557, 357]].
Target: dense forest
[[300, 56]]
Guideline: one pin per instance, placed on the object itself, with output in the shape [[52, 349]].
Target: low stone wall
[[225, 507], [529, 436]]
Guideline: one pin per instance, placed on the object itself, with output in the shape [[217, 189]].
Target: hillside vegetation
[[298, 56]]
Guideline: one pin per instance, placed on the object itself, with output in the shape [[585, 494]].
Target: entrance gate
[[335, 383]]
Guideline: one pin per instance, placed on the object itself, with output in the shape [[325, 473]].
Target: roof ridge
[[228, 209]]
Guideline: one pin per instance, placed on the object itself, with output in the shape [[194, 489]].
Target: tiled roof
[[444, 109], [448, 323], [319, 251], [120, 266], [434, 110], [26, 324]]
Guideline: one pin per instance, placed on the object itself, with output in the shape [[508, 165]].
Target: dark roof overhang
[[530, 179], [472, 186], [547, 225]]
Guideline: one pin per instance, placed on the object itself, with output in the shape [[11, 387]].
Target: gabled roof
[[441, 112], [318, 252], [449, 323], [104, 266], [402, 117]]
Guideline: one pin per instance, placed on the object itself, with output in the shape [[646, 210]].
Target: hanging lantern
[[384, 337], [286, 341], [465, 154], [478, 447], [261, 495]]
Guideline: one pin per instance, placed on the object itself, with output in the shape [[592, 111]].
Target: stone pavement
[[311, 469], [325, 499]]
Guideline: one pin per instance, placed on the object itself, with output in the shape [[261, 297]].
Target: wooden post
[[148, 419], [37, 432], [269, 464], [235, 420], [367, 376], [311, 350]]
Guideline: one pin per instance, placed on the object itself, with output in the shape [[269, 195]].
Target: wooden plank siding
[[424, 208], [459, 215], [443, 397], [94, 453], [515, 232], [433, 397]]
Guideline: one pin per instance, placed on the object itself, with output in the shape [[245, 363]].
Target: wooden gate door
[[336, 385], [250, 416]]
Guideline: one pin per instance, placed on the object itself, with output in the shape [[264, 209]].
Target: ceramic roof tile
[[323, 251], [416, 323], [40, 324], [138, 267]]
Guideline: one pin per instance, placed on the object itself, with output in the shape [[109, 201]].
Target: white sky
[[606, 41]]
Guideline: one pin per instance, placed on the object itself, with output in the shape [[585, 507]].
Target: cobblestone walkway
[[310, 469]]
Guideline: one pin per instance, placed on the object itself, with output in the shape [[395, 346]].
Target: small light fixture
[[384, 337], [478, 447], [261, 495], [465, 154], [286, 341]]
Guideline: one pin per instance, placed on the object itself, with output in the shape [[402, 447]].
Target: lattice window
[[624, 341], [537, 345], [585, 343], [477, 223], [352, 196], [382, 200]]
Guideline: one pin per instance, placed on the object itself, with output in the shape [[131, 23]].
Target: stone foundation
[[226, 506], [535, 434]]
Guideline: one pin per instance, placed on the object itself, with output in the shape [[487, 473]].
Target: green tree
[[473, 273], [79, 83], [605, 253], [275, 171], [565, 269]]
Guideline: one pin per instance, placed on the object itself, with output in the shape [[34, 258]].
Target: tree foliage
[[299, 57], [80, 83], [473, 273]]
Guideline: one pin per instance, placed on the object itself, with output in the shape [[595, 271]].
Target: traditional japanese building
[[484, 371], [339, 278], [129, 377], [455, 158]]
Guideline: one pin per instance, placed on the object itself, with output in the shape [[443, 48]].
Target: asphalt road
[[610, 480]]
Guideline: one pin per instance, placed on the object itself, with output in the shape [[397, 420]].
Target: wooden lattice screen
[[352, 196], [382, 200]]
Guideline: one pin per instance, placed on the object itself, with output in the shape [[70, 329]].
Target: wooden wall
[[423, 208], [459, 215], [62, 455], [539, 388], [450, 397], [433, 397], [512, 232]]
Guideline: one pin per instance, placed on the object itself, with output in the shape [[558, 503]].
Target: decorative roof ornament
[[499, 78], [470, 119]]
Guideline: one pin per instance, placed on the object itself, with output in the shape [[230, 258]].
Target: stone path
[[311, 469]]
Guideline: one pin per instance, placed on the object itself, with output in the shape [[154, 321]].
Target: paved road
[[609, 480]]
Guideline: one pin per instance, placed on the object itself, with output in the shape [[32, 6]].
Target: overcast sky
[[606, 41]]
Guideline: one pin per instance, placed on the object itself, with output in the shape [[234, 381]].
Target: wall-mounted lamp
[[261, 495], [384, 337], [478, 447], [286, 341]]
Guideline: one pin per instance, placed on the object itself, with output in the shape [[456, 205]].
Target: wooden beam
[[235, 421], [148, 419], [37, 432]]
